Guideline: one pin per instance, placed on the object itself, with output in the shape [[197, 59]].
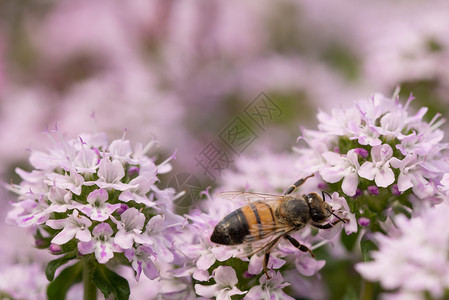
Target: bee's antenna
[[336, 216], [325, 193]]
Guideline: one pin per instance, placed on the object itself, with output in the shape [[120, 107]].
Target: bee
[[267, 218]]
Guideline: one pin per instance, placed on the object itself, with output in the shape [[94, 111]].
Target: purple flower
[[129, 227], [86, 161], [140, 187], [373, 190], [379, 168], [269, 289], [154, 236], [97, 208], [412, 176], [364, 221], [110, 174], [224, 287], [142, 259], [75, 225], [72, 181], [102, 243], [342, 167], [61, 200], [120, 149]]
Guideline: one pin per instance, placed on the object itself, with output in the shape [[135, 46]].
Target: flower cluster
[[86, 196], [418, 249], [377, 147]]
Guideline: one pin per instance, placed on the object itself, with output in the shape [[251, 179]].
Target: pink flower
[[224, 287], [412, 176], [379, 168], [269, 289], [102, 244], [129, 227], [340, 166], [97, 208], [110, 174], [154, 236], [142, 259], [75, 225]]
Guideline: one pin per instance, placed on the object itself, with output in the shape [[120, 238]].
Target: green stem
[[90, 290], [366, 290]]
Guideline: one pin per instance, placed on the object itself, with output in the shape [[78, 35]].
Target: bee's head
[[320, 211]]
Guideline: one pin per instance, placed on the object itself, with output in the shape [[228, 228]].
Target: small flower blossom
[[97, 208], [412, 176], [154, 236], [224, 287], [61, 200], [102, 243], [75, 225], [269, 289], [342, 166], [379, 169], [129, 227], [142, 259]]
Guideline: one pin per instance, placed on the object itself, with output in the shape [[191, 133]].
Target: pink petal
[[404, 182], [64, 236], [350, 183], [150, 270], [385, 177], [367, 170], [85, 247], [124, 239], [83, 235], [207, 291], [225, 275], [308, 266], [205, 261], [103, 253]]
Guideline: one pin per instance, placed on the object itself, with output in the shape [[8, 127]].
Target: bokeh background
[[181, 71]]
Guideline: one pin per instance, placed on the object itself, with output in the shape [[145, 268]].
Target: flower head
[[423, 270], [83, 200], [377, 149]]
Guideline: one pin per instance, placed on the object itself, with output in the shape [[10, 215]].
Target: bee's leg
[[267, 256], [298, 183], [329, 225], [298, 245], [265, 264]]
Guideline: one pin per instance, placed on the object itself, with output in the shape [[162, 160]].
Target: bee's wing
[[260, 247], [270, 232], [247, 197]]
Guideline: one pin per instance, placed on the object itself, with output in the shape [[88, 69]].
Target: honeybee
[[268, 218]]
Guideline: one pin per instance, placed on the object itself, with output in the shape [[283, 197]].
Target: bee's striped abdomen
[[260, 218], [232, 230], [255, 221]]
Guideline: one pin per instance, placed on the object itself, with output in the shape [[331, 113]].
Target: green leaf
[[57, 289], [55, 264], [110, 283], [366, 247]]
